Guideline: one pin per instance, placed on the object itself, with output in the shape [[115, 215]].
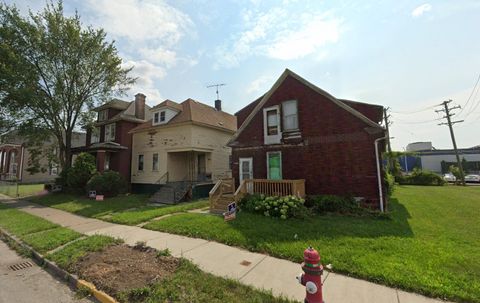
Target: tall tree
[[53, 70]]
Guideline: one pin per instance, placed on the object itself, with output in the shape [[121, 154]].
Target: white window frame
[[109, 134], [268, 166], [271, 139], [143, 162], [95, 135], [153, 162], [103, 115], [157, 117], [284, 117], [54, 169]]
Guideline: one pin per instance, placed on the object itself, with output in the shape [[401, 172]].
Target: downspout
[[379, 175]]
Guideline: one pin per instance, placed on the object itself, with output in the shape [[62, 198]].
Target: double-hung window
[[290, 115], [95, 136], [140, 163], [271, 125], [155, 162], [102, 115], [159, 117], [110, 132]]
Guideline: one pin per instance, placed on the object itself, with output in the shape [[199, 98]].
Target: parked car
[[449, 177], [472, 178]]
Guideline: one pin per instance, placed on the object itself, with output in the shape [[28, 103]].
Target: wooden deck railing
[[271, 188], [223, 186]]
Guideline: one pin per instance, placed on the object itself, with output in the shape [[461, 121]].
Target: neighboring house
[[183, 144], [298, 131], [427, 157], [109, 140], [18, 158]]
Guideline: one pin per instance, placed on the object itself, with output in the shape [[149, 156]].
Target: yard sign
[[231, 213]]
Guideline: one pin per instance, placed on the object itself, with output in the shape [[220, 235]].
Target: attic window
[[156, 117], [159, 117], [162, 116], [102, 115]]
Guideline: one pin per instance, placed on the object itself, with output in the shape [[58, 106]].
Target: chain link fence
[[9, 188]]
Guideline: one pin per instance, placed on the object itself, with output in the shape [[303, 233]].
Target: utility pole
[[386, 117], [448, 115]]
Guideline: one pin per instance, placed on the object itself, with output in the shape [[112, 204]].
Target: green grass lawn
[[40, 234], [23, 189], [430, 245], [129, 210], [144, 214], [90, 207]]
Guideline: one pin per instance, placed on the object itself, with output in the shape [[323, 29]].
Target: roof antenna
[[217, 86]]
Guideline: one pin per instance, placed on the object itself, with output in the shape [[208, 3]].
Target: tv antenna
[[217, 86]]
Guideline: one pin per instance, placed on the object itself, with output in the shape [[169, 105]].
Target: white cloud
[[278, 34], [420, 10], [146, 74], [260, 84], [141, 21], [159, 55]]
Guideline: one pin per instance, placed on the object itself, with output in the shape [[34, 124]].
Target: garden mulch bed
[[120, 268]]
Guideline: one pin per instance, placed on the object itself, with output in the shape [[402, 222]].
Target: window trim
[[284, 116], [272, 139], [156, 117], [164, 112]]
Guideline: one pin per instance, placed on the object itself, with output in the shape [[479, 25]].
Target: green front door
[[274, 160]]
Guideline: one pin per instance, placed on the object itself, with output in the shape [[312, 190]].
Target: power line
[[448, 115], [474, 107], [418, 122], [471, 94], [414, 111]]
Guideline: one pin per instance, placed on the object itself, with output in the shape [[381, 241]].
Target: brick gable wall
[[336, 154]]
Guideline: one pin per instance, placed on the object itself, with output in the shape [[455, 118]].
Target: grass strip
[[190, 284], [48, 240], [144, 214]]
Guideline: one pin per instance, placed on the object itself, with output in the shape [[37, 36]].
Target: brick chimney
[[140, 106], [218, 105]]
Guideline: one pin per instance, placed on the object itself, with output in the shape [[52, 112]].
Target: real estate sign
[[231, 213]]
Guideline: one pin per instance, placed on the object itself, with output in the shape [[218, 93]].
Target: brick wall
[[336, 154]]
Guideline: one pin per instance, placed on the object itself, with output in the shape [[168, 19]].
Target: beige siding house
[[17, 158], [183, 142]]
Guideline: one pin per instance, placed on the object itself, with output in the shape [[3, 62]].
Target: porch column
[[1, 160], [100, 160]]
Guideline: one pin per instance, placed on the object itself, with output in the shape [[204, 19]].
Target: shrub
[[109, 184], [330, 203], [389, 183], [80, 173], [421, 177], [280, 207]]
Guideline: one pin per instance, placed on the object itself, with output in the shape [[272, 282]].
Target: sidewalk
[[258, 270]]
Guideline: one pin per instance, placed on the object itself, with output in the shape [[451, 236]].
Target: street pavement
[[258, 270], [28, 283]]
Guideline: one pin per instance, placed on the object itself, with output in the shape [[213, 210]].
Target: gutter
[[379, 175]]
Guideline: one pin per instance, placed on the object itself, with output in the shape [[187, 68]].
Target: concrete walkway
[[258, 270]]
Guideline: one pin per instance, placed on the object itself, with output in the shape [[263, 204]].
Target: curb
[[52, 268]]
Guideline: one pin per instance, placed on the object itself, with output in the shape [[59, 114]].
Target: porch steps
[[171, 193], [220, 206]]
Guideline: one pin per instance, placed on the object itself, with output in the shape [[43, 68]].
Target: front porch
[[224, 192]]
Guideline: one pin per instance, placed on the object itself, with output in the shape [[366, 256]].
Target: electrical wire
[[414, 111], [418, 122], [474, 107], [471, 94]]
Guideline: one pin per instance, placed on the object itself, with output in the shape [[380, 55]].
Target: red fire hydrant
[[312, 276]]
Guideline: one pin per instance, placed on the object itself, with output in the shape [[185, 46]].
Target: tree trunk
[[68, 149]]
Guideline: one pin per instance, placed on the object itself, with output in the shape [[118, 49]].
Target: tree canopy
[[53, 70]]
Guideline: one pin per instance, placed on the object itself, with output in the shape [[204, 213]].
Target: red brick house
[[109, 140], [299, 131]]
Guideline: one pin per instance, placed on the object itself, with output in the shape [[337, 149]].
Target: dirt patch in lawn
[[120, 267]]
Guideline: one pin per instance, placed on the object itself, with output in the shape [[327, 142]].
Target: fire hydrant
[[312, 276]]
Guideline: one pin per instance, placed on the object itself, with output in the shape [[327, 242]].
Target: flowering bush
[[281, 207]]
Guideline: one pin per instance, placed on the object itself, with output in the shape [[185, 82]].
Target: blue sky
[[406, 55]]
